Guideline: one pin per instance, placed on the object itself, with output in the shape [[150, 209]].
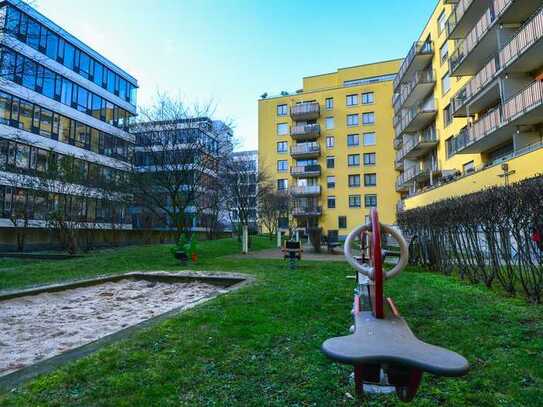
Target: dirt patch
[[33, 328]]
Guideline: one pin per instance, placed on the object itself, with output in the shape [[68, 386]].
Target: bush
[[489, 236]]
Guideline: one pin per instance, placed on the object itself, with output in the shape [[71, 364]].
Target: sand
[[34, 328]]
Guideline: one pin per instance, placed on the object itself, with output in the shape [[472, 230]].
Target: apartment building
[[60, 102], [330, 144], [468, 100]]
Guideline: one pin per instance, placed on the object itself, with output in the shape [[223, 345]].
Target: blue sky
[[232, 51]]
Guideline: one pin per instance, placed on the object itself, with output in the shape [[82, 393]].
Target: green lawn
[[260, 346]]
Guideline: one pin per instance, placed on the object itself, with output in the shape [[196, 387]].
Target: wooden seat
[[390, 341]]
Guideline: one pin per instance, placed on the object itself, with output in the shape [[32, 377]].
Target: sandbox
[[47, 326]]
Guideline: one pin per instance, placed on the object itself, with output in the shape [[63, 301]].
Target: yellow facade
[[355, 91], [488, 66]]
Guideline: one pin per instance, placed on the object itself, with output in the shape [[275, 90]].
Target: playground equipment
[[385, 353], [292, 251]]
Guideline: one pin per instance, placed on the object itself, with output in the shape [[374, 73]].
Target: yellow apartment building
[[331, 145], [468, 100]]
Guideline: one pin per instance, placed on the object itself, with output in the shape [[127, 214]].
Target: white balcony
[[416, 89], [305, 132], [307, 190], [305, 150], [307, 171], [415, 118], [305, 111]]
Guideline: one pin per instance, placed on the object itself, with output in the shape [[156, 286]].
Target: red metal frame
[[378, 300]]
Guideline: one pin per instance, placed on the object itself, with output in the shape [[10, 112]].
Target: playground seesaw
[[385, 353]]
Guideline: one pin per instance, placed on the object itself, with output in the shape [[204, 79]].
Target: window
[[368, 98], [282, 165], [282, 129], [351, 100], [331, 202], [282, 147], [331, 181], [468, 167], [354, 180], [342, 222], [330, 141], [369, 139], [330, 162], [282, 184], [352, 120], [445, 84], [370, 200], [282, 110], [444, 52], [441, 21], [5, 107], [450, 146], [354, 201], [447, 115], [329, 103], [369, 158], [370, 180], [353, 140], [329, 122], [353, 160], [368, 118]]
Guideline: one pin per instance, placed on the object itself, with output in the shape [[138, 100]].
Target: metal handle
[[366, 269]]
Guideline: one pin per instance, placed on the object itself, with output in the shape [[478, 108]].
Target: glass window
[[110, 81], [330, 141], [82, 99], [329, 103], [468, 167], [369, 158], [33, 34], [353, 160], [444, 52], [330, 162], [368, 118], [370, 180], [109, 113], [354, 201], [331, 181], [351, 100], [84, 65], [282, 110], [354, 180], [41, 160], [29, 74], [69, 52], [368, 98], [81, 135], [445, 84], [369, 139], [282, 129], [13, 18], [122, 89], [442, 21], [329, 122], [282, 165], [5, 107], [352, 120], [46, 122], [342, 222], [331, 202], [370, 200], [66, 92], [282, 147], [447, 115], [22, 158], [282, 184], [353, 140], [98, 73], [25, 115], [8, 65], [64, 129], [52, 45], [48, 87]]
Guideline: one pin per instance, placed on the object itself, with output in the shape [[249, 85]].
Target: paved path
[[307, 255]]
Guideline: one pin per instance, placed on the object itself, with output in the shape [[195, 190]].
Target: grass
[[260, 346]]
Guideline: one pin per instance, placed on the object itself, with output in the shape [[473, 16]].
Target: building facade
[[172, 152], [468, 100], [60, 102], [330, 145], [249, 164]]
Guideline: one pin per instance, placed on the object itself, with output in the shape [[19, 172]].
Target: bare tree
[[176, 162], [272, 207]]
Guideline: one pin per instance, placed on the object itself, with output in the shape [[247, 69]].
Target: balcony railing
[[307, 211], [398, 142], [306, 190], [427, 137], [418, 48], [306, 171], [408, 121], [482, 27], [407, 89], [530, 33], [523, 101], [457, 14], [305, 132], [475, 84], [306, 149], [416, 172], [305, 111]]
